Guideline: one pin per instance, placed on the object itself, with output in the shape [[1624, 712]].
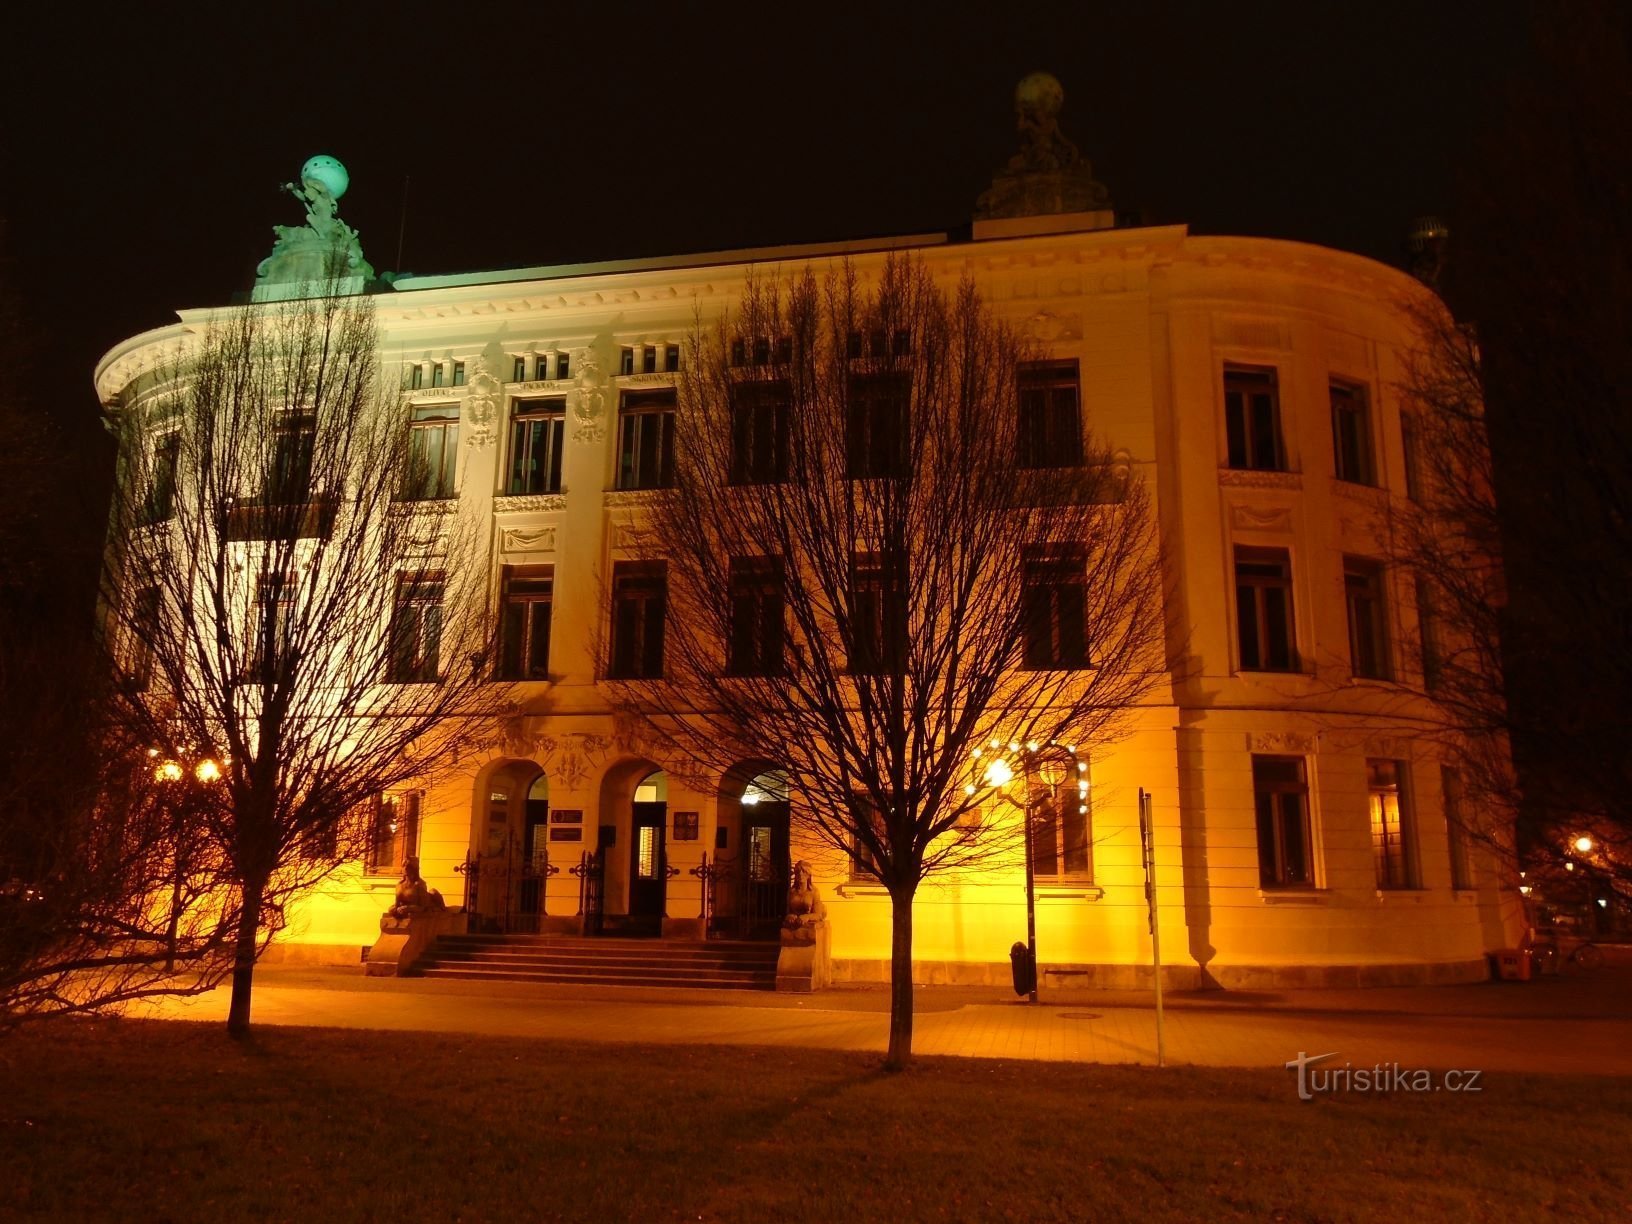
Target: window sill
[[632, 497], [424, 505], [1465, 896], [857, 889], [504, 503], [1260, 478], [1068, 892], [1293, 896], [1401, 895]]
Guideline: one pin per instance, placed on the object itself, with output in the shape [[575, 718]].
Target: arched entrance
[[508, 871], [751, 879], [648, 854]]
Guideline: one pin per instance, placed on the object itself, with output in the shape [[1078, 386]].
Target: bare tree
[[298, 606], [882, 553]]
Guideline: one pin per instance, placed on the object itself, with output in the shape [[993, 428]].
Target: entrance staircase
[[602, 961]]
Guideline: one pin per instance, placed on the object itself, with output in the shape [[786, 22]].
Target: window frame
[[877, 597], [1053, 437], [1458, 844], [1051, 577], [527, 609], [642, 588], [164, 465], [878, 425], [1354, 448], [1271, 815], [1393, 851], [758, 638], [1245, 554], [417, 608], [439, 417], [1365, 597], [760, 414], [1058, 825], [1244, 449], [640, 413], [532, 418]]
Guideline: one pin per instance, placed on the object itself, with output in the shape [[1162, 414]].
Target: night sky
[[147, 147]]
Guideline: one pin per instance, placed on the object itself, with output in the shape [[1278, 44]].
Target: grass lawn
[[149, 1121]]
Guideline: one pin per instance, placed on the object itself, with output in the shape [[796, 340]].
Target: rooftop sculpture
[[1048, 174], [325, 249]]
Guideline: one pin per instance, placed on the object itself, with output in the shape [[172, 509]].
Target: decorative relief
[[655, 379], [589, 403], [1261, 518], [631, 535], [1293, 743], [483, 393], [1366, 495], [530, 502], [619, 498], [1236, 478], [527, 539], [1048, 326]]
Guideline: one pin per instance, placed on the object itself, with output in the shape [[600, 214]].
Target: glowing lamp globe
[[328, 171], [1583, 845]]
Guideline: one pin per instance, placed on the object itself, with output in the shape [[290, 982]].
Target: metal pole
[[1031, 878], [1147, 838]]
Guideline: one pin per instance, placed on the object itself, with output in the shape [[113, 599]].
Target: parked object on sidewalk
[[1513, 965], [1024, 968]]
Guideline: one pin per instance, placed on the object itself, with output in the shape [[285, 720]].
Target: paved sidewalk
[[1581, 1027]]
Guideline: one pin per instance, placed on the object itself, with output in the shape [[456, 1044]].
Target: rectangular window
[[433, 452], [759, 432], [1413, 456], [671, 358], [1252, 419], [524, 622], [161, 486], [1456, 830], [458, 373], [626, 360], [563, 365], [1263, 609], [646, 439], [1061, 838], [274, 612], [1281, 797], [1391, 832], [1368, 619], [289, 478], [537, 436], [437, 369], [878, 617], [648, 360], [1054, 603], [518, 372], [864, 815], [1050, 415], [1351, 434], [1428, 635], [639, 604], [878, 426], [416, 376], [416, 630], [394, 835], [757, 617], [144, 630]]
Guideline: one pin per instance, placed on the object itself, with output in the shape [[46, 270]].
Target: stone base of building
[[314, 954], [1176, 977]]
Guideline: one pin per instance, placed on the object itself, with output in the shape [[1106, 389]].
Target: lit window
[[1263, 609], [1390, 825], [1050, 415], [537, 431], [1351, 434], [524, 623], [433, 452], [1281, 799], [756, 616], [646, 439], [639, 602], [877, 435], [416, 630], [759, 432], [1368, 619], [1054, 603], [1252, 419]]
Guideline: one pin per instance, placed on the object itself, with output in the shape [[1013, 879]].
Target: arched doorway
[[751, 883], [648, 854], [508, 871]]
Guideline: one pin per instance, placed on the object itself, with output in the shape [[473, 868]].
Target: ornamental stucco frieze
[[1261, 518], [1237, 478], [481, 403], [530, 502], [622, 498], [589, 402], [527, 539], [1291, 742]]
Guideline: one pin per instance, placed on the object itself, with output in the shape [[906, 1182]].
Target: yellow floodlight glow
[[998, 773], [1583, 845], [207, 771], [167, 772]]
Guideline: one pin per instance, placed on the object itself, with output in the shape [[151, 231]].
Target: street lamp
[[180, 795]]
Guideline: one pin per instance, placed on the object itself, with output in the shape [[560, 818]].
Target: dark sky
[[147, 145]]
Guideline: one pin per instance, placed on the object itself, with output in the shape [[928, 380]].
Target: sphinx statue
[[414, 896]]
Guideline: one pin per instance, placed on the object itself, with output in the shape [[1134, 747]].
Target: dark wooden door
[[765, 867], [648, 864]]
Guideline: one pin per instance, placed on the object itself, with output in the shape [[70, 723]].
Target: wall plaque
[[566, 816], [566, 835], [685, 826]]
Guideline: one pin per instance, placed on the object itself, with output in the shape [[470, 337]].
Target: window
[[756, 616], [1428, 634], [274, 612], [524, 622], [671, 358], [1252, 419], [639, 599], [1281, 797], [626, 360], [1054, 603], [1061, 844], [416, 630], [289, 478], [1456, 830], [518, 372], [1263, 609], [563, 365], [1390, 825], [646, 439], [458, 373], [648, 360], [144, 629], [436, 373], [161, 486], [1050, 418], [416, 376], [394, 836], [433, 452], [864, 814], [876, 438], [1368, 619], [1413, 456], [1351, 434], [759, 432], [537, 433], [878, 617]]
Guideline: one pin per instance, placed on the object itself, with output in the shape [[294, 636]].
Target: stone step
[[603, 961], [758, 981], [595, 954]]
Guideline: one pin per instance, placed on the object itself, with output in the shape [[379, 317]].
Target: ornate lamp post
[[181, 792]]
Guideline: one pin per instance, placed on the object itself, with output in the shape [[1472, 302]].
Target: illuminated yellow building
[[1302, 834]]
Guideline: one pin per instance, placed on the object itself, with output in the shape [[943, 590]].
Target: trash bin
[[1024, 967]]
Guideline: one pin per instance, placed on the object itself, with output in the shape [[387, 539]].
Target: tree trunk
[[243, 966], [900, 1053]]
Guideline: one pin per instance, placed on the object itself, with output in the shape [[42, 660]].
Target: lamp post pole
[[1031, 877]]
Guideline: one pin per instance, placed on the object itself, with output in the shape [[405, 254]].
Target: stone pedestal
[[403, 941], [805, 962]]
